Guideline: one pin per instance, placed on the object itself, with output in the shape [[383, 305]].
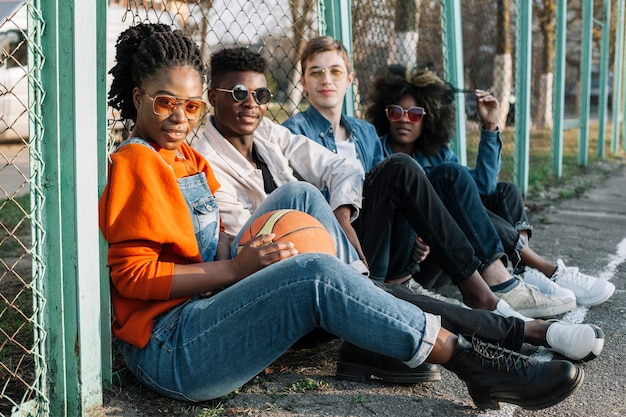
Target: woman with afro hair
[[414, 112]]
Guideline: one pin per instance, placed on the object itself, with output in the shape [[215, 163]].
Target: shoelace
[[571, 274], [499, 357]]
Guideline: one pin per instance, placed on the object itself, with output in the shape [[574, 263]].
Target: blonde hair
[[324, 44]]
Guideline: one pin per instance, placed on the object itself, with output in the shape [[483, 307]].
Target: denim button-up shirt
[[488, 161], [313, 124]]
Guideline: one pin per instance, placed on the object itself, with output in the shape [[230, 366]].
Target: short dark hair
[[239, 59], [142, 51]]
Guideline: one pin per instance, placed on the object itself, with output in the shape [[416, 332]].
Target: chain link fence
[[22, 336], [381, 31]]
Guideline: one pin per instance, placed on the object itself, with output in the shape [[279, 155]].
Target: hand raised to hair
[[488, 109]]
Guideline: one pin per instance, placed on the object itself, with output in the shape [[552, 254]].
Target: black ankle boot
[[495, 374], [356, 364]]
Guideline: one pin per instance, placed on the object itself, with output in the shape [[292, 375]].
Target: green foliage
[[308, 384]]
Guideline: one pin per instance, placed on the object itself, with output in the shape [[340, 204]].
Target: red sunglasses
[[395, 113]]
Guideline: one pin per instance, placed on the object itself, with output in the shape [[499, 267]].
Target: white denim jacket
[[287, 156]]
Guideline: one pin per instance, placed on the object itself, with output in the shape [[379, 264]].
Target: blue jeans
[[207, 347], [305, 197]]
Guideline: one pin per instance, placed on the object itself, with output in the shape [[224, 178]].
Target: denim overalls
[[201, 204]]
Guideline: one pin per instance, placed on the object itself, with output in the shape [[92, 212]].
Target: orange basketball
[[298, 227]]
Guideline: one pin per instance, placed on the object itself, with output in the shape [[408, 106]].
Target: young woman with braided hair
[[194, 321]]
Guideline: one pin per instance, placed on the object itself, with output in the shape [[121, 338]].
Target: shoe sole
[[357, 372], [492, 402], [540, 312]]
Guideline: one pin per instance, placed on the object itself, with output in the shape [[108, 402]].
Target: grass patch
[[308, 384]]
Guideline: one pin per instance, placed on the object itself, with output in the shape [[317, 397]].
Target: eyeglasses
[[240, 92], [317, 74], [164, 105], [395, 113]]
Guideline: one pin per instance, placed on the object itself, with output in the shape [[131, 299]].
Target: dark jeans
[[400, 203], [508, 214], [459, 193], [506, 331]]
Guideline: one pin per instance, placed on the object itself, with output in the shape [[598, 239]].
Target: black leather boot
[[495, 374], [356, 364]]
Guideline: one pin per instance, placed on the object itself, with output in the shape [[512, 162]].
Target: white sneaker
[[578, 342], [589, 291], [530, 302], [548, 287], [503, 309], [417, 288]]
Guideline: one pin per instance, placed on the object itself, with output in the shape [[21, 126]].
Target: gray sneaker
[[529, 301], [417, 289]]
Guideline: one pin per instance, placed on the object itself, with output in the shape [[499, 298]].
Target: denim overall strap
[[201, 204], [204, 213]]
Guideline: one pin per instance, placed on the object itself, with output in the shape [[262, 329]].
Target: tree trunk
[[404, 46], [503, 63]]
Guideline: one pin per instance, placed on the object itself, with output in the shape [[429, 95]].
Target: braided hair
[[429, 91], [141, 52]]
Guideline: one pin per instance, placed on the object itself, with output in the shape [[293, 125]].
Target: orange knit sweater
[[144, 218]]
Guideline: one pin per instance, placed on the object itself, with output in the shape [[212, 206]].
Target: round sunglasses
[[240, 92], [317, 73], [395, 113], [164, 105]]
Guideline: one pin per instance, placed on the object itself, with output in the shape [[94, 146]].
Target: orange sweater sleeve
[[144, 218]]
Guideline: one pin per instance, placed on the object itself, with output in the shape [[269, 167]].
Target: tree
[[503, 63], [546, 16]]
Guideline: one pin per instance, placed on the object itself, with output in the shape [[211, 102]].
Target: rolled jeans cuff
[[431, 330]]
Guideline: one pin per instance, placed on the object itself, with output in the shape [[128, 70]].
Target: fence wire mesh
[[22, 335], [381, 29]]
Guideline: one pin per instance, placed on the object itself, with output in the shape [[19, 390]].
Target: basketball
[[300, 228]]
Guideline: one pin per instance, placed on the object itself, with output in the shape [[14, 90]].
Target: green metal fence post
[[604, 73], [585, 81], [338, 24], [523, 71], [619, 78], [452, 29], [559, 88], [72, 287]]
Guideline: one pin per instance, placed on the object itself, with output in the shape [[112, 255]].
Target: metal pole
[[453, 65], [338, 24], [585, 82], [619, 78], [523, 71], [559, 88], [71, 247], [604, 72]]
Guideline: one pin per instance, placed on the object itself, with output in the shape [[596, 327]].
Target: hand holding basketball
[[303, 230]]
